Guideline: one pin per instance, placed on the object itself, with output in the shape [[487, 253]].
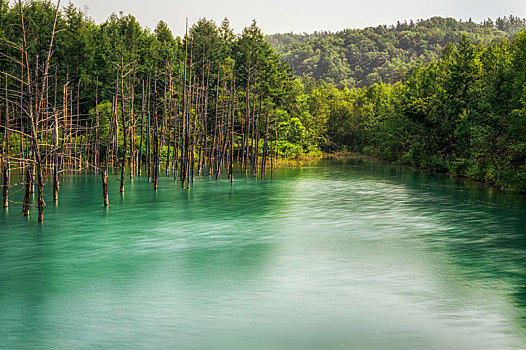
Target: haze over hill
[[298, 16], [361, 57]]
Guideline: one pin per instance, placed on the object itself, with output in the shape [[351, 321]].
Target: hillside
[[361, 57]]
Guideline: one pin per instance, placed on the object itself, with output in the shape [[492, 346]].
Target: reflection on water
[[345, 254]]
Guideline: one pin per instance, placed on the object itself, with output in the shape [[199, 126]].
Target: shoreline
[[306, 161]]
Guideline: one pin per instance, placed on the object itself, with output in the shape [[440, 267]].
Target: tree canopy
[[362, 57]]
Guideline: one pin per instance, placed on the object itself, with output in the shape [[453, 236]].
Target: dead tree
[[6, 170], [124, 135], [35, 105]]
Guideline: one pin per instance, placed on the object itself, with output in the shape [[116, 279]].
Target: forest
[[438, 94], [464, 114], [119, 99], [362, 57]]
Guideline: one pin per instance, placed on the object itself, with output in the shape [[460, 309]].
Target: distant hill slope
[[361, 57]]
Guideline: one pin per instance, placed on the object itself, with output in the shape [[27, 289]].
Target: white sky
[[278, 16]]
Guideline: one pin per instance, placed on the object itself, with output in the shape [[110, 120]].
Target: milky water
[[343, 254]]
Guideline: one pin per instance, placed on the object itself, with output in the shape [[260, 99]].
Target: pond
[[342, 254]]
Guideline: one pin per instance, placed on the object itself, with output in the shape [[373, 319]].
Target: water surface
[[345, 254]]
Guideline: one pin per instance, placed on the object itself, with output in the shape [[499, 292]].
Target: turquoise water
[[345, 254]]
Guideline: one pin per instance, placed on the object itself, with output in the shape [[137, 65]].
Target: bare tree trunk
[[56, 164], [275, 148], [175, 160], [132, 126], [35, 107], [265, 147], [156, 151], [170, 117], [142, 130], [247, 119], [40, 180], [7, 176], [194, 130], [232, 131], [97, 126], [26, 206], [77, 128], [124, 135], [163, 123], [190, 127], [212, 150], [6, 166], [104, 175], [256, 141], [21, 112], [149, 133], [115, 124]]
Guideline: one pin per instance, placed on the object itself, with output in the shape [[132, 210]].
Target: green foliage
[[86, 65], [288, 150], [362, 57], [104, 109], [292, 130], [464, 114]]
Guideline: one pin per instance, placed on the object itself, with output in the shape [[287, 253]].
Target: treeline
[[119, 98], [362, 57], [463, 114]]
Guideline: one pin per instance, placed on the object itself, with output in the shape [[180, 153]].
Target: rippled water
[[347, 254]]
